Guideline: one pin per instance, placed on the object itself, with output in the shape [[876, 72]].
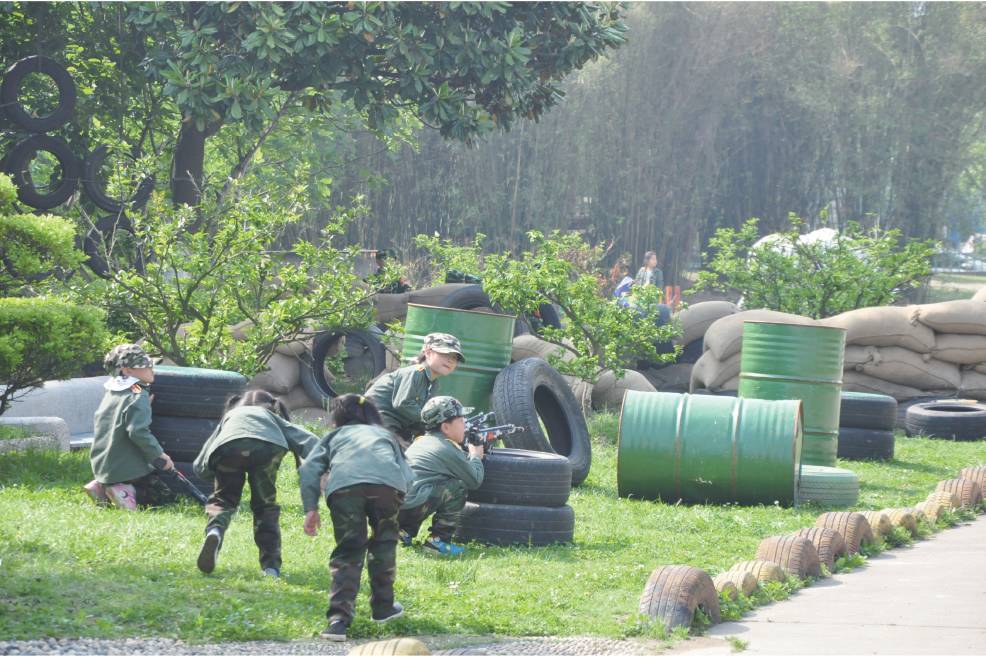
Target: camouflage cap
[[444, 343], [126, 355], [441, 409]]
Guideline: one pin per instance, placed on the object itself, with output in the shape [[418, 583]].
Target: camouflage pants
[[446, 501], [152, 490], [256, 461], [351, 509]]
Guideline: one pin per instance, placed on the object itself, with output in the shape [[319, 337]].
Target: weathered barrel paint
[[487, 340], [788, 361], [707, 448]]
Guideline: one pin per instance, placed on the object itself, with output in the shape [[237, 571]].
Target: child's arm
[[310, 474], [138, 420]]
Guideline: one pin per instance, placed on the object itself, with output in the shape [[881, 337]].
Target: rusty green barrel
[[706, 448], [487, 340], [787, 361]]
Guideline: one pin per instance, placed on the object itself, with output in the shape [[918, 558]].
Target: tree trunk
[[186, 169]]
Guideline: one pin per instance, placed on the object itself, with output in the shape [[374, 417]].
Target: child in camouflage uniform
[[442, 475], [366, 484], [401, 394], [123, 447], [249, 444]]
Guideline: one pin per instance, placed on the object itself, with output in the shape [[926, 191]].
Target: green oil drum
[[787, 361], [487, 340], [706, 448]]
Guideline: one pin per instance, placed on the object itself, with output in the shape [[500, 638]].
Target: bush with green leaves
[[597, 331], [856, 269], [448, 256], [195, 285]]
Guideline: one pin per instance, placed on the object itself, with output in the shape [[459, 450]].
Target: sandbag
[[582, 390], [725, 336], [973, 385], [731, 384], [612, 398], [856, 357], [696, 319], [390, 306], [858, 382], [981, 368], [960, 349], [884, 326], [711, 373], [960, 316], [240, 330], [283, 373], [294, 348], [297, 397], [673, 378], [907, 368], [531, 346], [980, 295]]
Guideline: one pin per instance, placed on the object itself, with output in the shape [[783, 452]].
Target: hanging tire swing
[[20, 115], [96, 191], [18, 165]]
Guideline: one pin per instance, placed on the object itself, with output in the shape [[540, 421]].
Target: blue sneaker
[[441, 548], [404, 538]]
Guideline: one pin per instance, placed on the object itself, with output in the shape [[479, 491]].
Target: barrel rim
[[806, 326], [460, 310]]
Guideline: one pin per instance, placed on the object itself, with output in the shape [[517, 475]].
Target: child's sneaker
[[122, 495], [336, 631], [272, 572], [404, 538], [97, 492], [442, 548], [210, 550], [395, 612]]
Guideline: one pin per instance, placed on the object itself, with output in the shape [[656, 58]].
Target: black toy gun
[[183, 481], [477, 433]]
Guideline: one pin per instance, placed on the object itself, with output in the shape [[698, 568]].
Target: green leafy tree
[[858, 268], [41, 337], [446, 255], [598, 333], [196, 285]]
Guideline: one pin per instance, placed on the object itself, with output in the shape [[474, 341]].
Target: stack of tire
[[866, 426], [187, 404], [947, 419]]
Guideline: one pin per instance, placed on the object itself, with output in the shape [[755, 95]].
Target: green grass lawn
[[70, 569]]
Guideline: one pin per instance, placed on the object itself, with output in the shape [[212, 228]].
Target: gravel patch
[[445, 645]]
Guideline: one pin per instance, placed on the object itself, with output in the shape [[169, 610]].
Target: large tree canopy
[[191, 68]]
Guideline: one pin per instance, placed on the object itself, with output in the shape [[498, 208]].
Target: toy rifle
[[189, 487], [477, 433]]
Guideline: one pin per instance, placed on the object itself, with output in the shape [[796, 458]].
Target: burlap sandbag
[[973, 385], [283, 373], [673, 378], [732, 384], [961, 316], [531, 346], [696, 319], [961, 349], [391, 306], [298, 398], [240, 330], [610, 396], [858, 382], [710, 372], [433, 296], [884, 326], [907, 368], [294, 348], [980, 295], [725, 335], [980, 367], [856, 357]]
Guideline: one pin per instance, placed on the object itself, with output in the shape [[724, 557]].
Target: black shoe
[[336, 631], [210, 550], [395, 612]]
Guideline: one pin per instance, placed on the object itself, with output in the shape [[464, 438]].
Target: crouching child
[[123, 447], [248, 445], [443, 474], [367, 480]]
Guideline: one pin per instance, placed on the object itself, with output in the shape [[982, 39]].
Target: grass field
[[70, 569]]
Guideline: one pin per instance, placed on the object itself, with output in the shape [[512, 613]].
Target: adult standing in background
[[650, 274]]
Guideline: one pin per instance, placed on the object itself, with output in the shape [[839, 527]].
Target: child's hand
[[312, 523], [168, 463]]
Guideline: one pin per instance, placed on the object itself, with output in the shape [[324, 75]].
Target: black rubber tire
[[185, 468], [862, 444], [19, 159], [524, 477], [10, 92], [692, 351], [950, 421], [366, 354], [509, 524], [863, 410], [673, 593], [472, 297], [105, 226], [532, 394], [194, 391], [182, 438], [90, 183]]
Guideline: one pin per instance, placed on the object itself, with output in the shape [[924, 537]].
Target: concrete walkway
[[926, 599]]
